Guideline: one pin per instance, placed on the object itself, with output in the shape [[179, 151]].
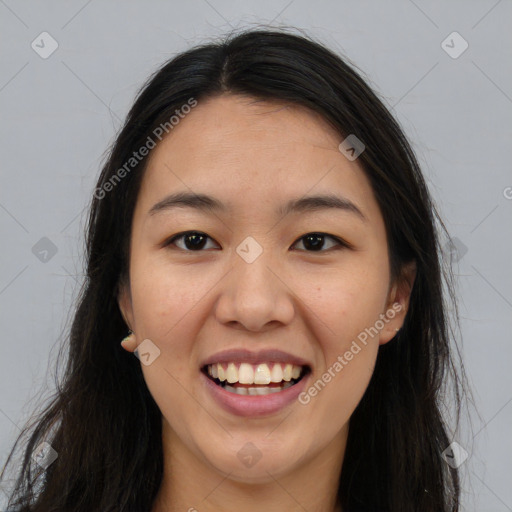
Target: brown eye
[[196, 241], [192, 240], [315, 242]]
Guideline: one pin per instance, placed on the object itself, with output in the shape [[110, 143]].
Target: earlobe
[[394, 317], [398, 303], [129, 343]]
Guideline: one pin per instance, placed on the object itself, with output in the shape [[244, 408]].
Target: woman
[[263, 233]]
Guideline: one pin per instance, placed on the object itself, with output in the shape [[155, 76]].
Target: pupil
[[198, 240], [314, 241]]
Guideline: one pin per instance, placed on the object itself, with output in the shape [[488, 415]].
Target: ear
[[397, 303], [124, 300]]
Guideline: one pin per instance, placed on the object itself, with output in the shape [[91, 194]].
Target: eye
[[316, 241], [196, 241]]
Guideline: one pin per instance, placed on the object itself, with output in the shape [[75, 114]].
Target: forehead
[[250, 153], [232, 126]]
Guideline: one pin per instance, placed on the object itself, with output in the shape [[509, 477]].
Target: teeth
[[277, 373], [240, 391], [246, 374], [287, 372], [256, 391], [261, 374], [231, 373], [221, 373]]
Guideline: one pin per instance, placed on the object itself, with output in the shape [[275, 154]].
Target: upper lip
[[248, 356]]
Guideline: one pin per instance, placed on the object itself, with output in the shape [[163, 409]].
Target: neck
[[189, 484]]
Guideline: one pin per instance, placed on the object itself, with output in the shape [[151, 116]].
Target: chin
[[253, 463]]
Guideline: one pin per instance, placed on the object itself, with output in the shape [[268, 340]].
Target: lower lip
[[254, 405]]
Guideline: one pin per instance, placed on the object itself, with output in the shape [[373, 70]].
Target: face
[[301, 297]]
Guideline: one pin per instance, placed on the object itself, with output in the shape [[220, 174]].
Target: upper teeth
[[246, 373]]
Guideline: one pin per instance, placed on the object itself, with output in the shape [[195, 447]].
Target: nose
[[254, 296]]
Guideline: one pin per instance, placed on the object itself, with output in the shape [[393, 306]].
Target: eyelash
[[339, 241]]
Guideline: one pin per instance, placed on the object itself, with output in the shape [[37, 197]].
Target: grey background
[[60, 114]]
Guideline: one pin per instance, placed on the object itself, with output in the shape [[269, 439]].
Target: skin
[[254, 156]]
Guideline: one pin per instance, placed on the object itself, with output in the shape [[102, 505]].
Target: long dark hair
[[103, 422]]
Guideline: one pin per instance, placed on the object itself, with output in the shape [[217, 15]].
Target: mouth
[[243, 378]]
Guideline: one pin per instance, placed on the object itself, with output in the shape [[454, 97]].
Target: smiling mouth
[[255, 380]]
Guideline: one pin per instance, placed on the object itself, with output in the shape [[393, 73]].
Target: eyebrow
[[209, 204]]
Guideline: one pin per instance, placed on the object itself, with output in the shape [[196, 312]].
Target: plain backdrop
[[61, 110]]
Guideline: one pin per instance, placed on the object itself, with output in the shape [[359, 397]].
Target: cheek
[[165, 304], [347, 305], [345, 390], [344, 301], [163, 296], [335, 390]]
